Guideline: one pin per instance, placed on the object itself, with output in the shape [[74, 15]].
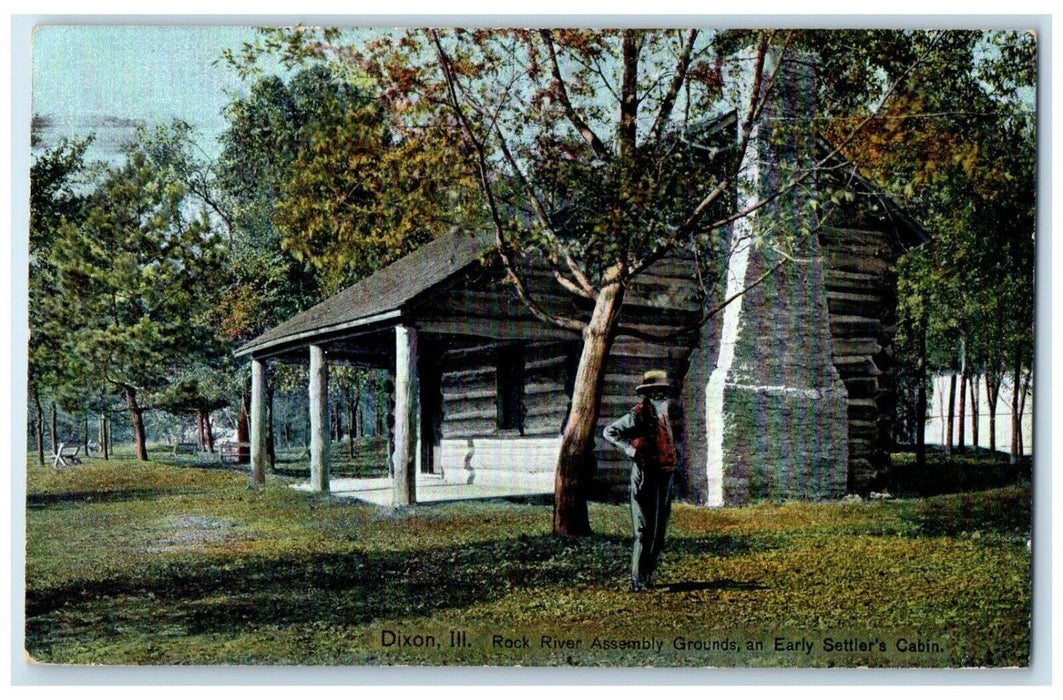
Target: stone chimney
[[775, 406]]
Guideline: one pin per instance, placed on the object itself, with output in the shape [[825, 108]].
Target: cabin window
[[510, 389]]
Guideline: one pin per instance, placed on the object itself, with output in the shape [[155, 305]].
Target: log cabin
[[785, 391]]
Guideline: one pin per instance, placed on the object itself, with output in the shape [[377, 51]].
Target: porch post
[[406, 415], [258, 422], [319, 434]]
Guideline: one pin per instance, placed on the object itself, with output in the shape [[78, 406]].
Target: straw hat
[[654, 379]]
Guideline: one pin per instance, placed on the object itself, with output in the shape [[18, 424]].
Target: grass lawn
[[150, 563]]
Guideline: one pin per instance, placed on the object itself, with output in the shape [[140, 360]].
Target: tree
[[58, 177], [134, 278]]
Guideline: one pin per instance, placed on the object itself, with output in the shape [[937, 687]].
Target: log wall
[[861, 299], [493, 323], [480, 309]]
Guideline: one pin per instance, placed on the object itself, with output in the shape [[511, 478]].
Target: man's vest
[[654, 444]]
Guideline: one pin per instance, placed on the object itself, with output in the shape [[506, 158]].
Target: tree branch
[[688, 226], [678, 78], [581, 126], [757, 101], [582, 287], [706, 315], [506, 250], [835, 151]]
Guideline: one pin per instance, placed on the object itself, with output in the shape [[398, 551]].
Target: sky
[[107, 79]]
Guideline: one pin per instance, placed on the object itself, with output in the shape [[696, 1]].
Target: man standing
[[645, 434]]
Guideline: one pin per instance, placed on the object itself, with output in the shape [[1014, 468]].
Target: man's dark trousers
[[651, 504]]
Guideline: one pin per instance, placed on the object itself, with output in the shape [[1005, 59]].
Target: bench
[[66, 455], [185, 448], [230, 451]]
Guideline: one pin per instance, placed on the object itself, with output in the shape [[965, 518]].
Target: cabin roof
[[380, 297]]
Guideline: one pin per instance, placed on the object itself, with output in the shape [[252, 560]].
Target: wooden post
[[258, 422], [406, 417], [319, 421]]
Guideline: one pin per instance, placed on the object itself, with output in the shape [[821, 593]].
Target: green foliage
[[259, 147], [57, 180], [134, 277], [188, 395], [323, 192], [966, 299]]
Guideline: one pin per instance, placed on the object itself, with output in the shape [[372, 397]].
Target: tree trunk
[[350, 428], [992, 391], [975, 380], [206, 437], [961, 438], [243, 430], [575, 464], [383, 409], [39, 426], [140, 446], [353, 396], [1015, 427], [332, 421], [920, 402], [210, 432], [85, 434], [1022, 407], [105, 451], [356, 412], [55, 430], [950, 422]]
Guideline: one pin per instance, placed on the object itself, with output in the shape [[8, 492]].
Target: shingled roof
[[382, 295]]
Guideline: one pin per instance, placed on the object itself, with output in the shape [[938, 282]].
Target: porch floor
[[379, 490]]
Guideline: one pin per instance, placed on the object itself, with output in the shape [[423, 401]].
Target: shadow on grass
[[230, 596], [972, 470], [351, 589], [1006, 512], [724, 584], [38, 501]]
